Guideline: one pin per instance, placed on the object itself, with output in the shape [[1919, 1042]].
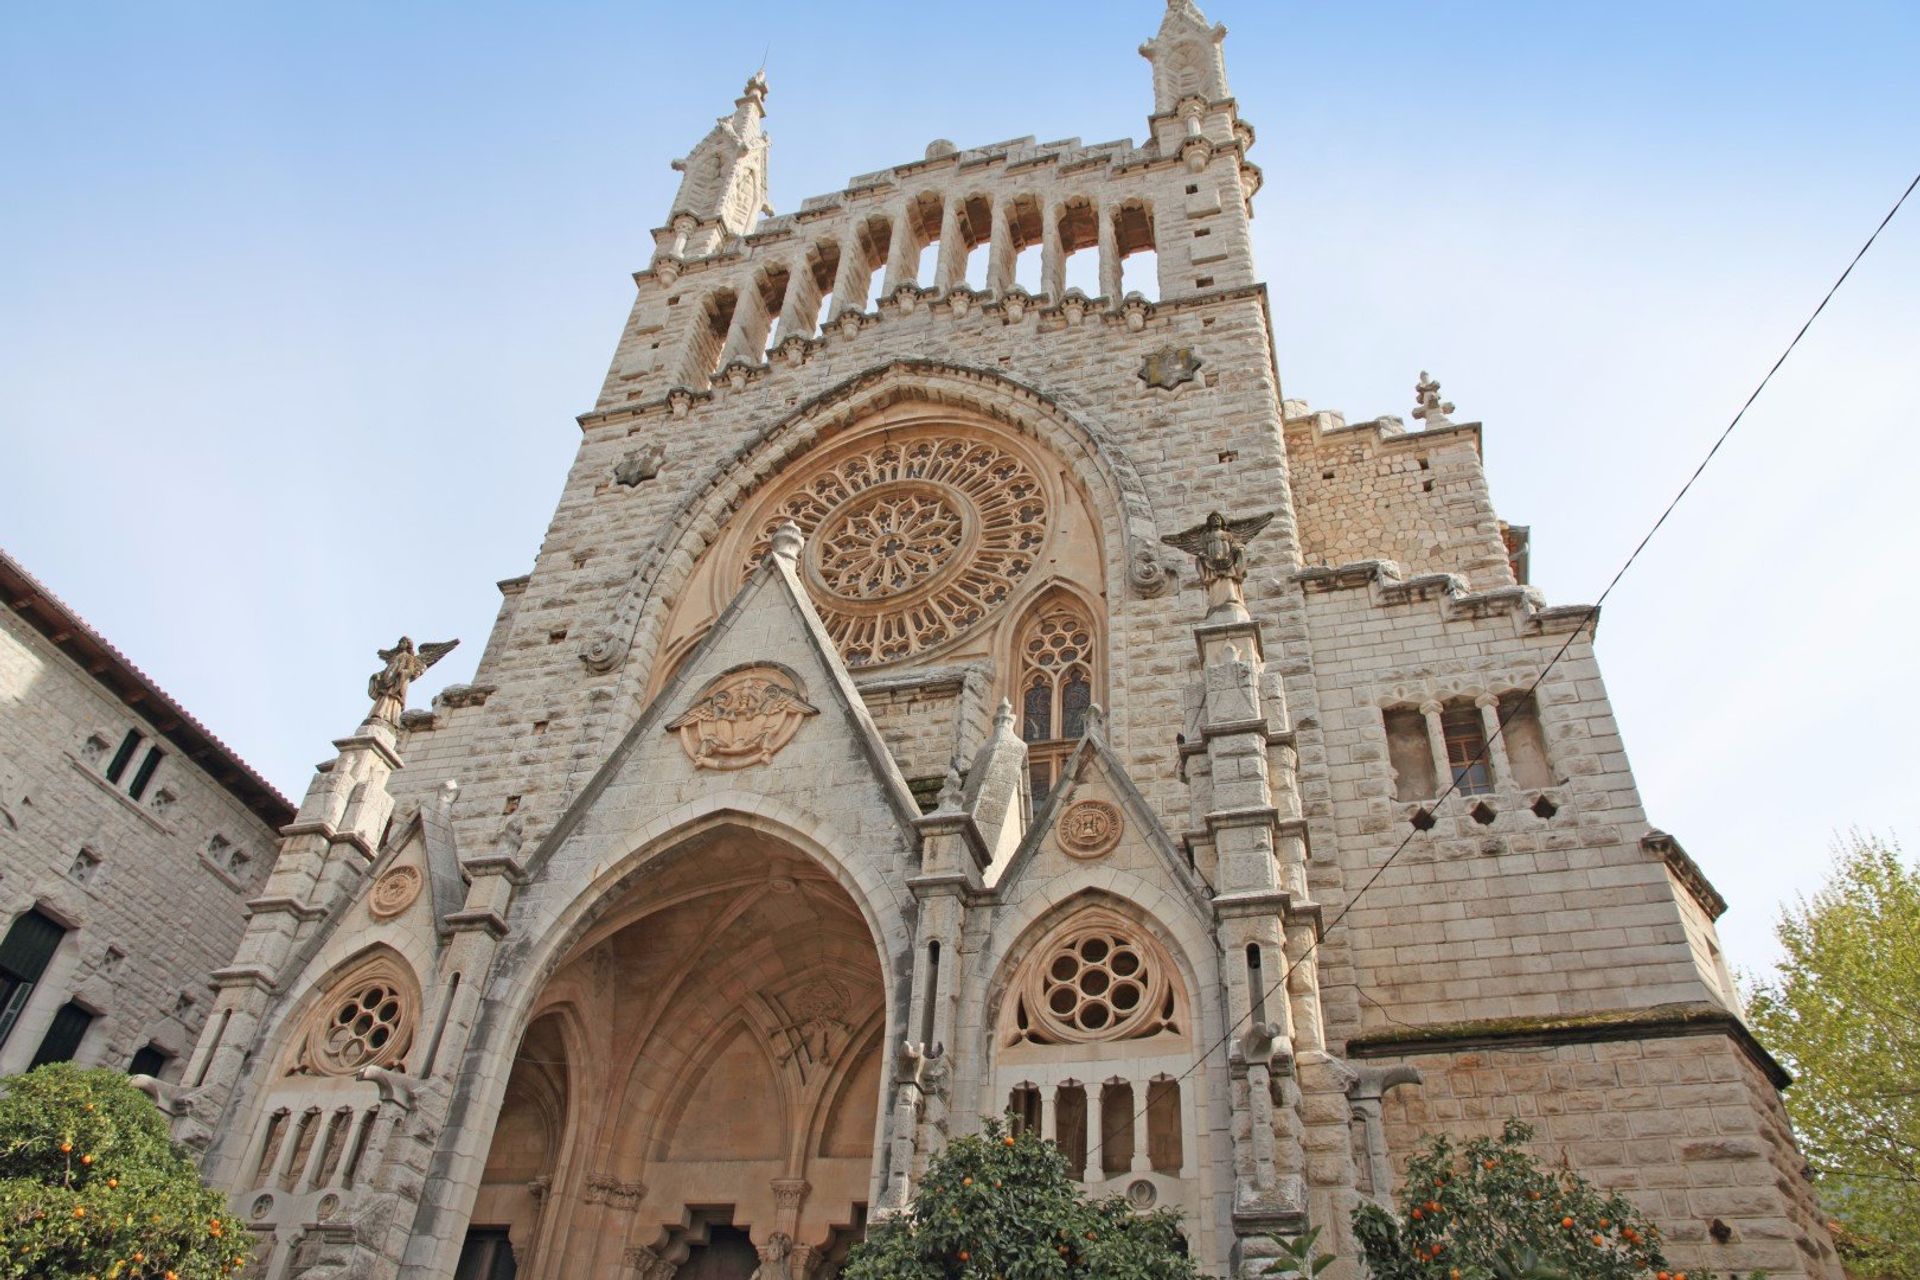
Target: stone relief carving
[[1168, 367], [816, 1011], [744, 718], [1089, 828], [640, 465], [773, 1258], [394, 892], [604, 1188]]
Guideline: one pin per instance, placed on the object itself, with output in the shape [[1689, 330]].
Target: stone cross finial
[[1003, 716], [1431, 409]]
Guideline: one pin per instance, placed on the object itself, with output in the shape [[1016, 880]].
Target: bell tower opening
[[700, 1079]]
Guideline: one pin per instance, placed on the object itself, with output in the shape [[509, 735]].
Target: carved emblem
[[743, 718], [1169, 367], [639, 465], [817, 1010], [606, 1189], [1089, 828], [394, 892], [1431, 409]]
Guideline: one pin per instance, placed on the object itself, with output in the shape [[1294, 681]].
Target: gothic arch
[[377, 961], [1085, 450]]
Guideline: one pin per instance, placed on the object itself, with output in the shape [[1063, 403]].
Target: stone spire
[[1187, 58], [726, 172]]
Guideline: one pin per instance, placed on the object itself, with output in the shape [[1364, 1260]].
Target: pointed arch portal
[[699, 1079]]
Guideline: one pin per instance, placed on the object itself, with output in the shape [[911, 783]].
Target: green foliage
[[1843, 1015], [1297, 1260], [90, 1186], [1489, 1211], [1001, 1207]]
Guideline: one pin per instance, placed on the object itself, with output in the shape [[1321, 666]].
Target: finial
[[1003, 716], [787, 541], [1431, 409], [1096, 722], [449, 792]]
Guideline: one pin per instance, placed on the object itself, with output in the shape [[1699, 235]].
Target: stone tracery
[[1098, 977], [912, 541]]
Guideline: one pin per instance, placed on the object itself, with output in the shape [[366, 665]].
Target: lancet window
[[1055, 650]]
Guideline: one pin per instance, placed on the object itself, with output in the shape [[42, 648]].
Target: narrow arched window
[[1055, 653]]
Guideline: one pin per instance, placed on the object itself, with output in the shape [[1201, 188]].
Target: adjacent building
[[130, 841]]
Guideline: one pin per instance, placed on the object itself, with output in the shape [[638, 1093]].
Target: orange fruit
[[1566, 1222], [1008, 1139], [79, 1211]]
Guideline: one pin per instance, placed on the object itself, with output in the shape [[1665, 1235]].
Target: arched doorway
[[699, 1083]]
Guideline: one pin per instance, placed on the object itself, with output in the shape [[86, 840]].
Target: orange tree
[[91, 1186], [1001, 1207], [1488, 1210]]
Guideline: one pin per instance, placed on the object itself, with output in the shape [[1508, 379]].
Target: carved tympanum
[[910, 542], [1090, 828], [743, 718]]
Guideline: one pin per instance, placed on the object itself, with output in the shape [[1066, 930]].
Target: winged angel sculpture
[[1219, 547], [404, 664]]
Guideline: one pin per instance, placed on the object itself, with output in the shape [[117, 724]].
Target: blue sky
[[297, 304]]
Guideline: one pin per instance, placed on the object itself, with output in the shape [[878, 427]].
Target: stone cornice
[[1686, 871], [1457, 600], [1666, 1021]]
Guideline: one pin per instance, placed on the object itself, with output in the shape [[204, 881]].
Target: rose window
[[372, 1026], [1097, 980], [887, 544], [911, 541]]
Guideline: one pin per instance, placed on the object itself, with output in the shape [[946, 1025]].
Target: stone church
[[945, 692]]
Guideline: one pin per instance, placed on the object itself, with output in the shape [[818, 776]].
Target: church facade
[[943, 692]]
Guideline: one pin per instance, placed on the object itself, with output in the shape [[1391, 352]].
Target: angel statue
[[1219, 547], [404, 664]]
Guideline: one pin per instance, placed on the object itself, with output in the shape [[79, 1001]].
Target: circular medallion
[[394, 892], [1089, 828], [913, 538], [1141, 1194], [262, 1206]]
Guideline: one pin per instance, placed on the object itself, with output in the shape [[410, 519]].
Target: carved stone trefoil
[[1168, 367], [743, 718]]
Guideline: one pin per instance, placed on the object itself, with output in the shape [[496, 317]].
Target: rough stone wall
[[1690, 1128], [1374, 491], [157, 915]]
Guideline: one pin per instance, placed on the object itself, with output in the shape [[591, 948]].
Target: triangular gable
[[426, 840], [1093, 768], [770, 623]]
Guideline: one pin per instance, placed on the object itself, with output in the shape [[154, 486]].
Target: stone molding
[[1660, 1022]]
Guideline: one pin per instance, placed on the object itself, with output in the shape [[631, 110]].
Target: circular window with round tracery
[[913, 538], [369, 1024], [1097, 978]]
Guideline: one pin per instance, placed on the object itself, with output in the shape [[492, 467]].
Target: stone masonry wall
[[1689, 1128], [157, 914], [1373, 491]]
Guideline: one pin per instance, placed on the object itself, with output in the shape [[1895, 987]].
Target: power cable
[[1500, 726]]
